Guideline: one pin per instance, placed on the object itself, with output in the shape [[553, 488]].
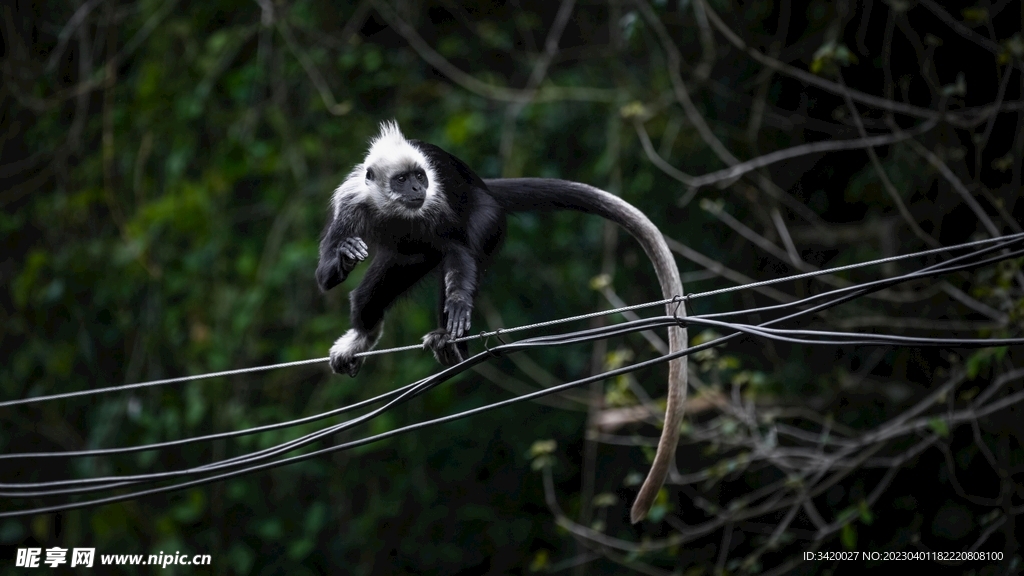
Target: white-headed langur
[[420, 209]]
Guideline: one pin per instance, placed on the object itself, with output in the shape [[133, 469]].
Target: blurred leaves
[[541, 454], [830, 57], [975, 15], [1013, 47]]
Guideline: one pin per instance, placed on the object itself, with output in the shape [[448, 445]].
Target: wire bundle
[[981, 253]]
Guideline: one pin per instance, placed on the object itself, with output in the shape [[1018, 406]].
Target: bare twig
[[722, 270], [491, 91], [674, 64], [957, 185], [981, 143], [964, 31], [883, 176], [815, 80], [537, 74], [864, 142], [330, 102], [72, 25]]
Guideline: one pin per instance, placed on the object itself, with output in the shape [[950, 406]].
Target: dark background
[[166, 169]]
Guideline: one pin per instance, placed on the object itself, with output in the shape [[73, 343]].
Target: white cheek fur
[[353, 189]]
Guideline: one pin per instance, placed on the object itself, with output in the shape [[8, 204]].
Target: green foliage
[[848, 536], [830, 57], [975, 15], [982, 359], [662, 506], [939, 426], [541, 454]]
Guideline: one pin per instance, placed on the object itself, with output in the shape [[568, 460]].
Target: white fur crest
[[390, 137]]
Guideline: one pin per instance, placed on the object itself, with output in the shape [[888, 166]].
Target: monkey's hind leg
[[387, 278], [343, 352]]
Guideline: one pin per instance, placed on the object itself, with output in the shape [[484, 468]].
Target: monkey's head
[[398, 177]]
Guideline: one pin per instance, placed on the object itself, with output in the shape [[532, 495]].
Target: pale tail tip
[[637, 513]]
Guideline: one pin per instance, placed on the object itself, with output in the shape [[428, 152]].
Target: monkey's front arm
[[459, 285], [339, 255]]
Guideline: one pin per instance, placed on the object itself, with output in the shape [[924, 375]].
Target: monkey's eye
[[421, 176], [369, 174], [401, 178]]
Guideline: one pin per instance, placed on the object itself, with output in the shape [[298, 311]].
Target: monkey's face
[[408, 188]]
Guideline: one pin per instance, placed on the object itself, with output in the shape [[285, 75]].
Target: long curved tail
[[535, 194]]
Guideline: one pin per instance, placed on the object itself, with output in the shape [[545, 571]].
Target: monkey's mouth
[[413, 203]]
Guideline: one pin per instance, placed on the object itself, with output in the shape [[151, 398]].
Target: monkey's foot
[[440, 343], [343, 353], [342, 364]]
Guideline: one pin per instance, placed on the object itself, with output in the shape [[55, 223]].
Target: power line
[[274, 456], [1008, 239], [150, 383]]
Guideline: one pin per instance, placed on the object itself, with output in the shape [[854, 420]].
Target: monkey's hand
[[458, 312], [351, 251], [334, 269], [440, 343]]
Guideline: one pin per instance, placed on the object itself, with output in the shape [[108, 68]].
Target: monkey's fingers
[[448, 355], [454, 355], [354, 366], [353, 249], [463, 328], [439, 342], [459, 315], [344, 364]]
